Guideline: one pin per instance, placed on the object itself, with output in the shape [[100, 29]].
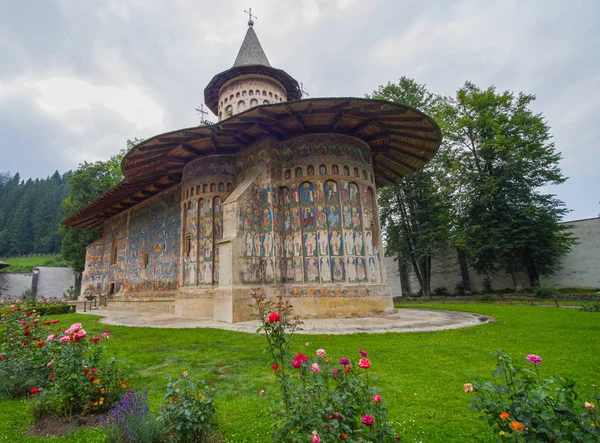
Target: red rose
[[86, 371], [91, 378], [296, 363], [51, 376], [301, 357], [35, 390], [26, 333], [274, 317], [40, 343], [275, 367], [24, 342], [0, 357]]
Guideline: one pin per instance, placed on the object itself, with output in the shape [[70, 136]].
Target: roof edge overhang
[[211, 92], [402, 140]]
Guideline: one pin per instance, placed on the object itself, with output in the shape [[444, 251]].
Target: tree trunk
[[464, 271], [77, 287]]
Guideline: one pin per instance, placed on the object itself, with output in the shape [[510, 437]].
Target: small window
[[298, 172], [231, 98], [365, 176], [229, 111], [213, 187], [323, 169], [347, 171], [226, 100], [276, 97], [198, 190], [113, 251], [334, 169], [257, 92], [250, 92], [310, 170], [229, 187], [187, 245], [237, 95], [270, 95], [253, 102], [192, 192], [244, 93], [145, 260], [221, 187], [204, 189], [265, 102], [264, 93], [356, 173]]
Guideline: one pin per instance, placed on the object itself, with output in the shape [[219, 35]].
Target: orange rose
[[504, 415], [517, 426]]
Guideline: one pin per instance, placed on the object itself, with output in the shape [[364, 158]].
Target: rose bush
[[522, 406], [322, 399]]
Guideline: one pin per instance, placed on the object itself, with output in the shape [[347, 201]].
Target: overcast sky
[[80, 77]]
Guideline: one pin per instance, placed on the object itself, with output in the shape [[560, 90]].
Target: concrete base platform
[[403, 320]]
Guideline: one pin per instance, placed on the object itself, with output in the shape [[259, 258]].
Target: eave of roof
[[401, 139]]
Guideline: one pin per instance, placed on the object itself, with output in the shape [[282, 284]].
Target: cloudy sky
[[80, 77]]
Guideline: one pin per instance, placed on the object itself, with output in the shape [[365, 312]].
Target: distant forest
[[30, 214]]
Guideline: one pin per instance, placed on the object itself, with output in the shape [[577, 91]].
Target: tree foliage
[[484, 190], [502, 157], [89, 181], [414, 213], [30, 213]]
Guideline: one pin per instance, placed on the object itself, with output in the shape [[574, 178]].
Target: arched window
[[192, 191], [251, 92], [253, 102], [257, 92], [298, 172], [270, 94], [229, 187], [204, 189], [356, 173], [226, 100], [335, 170], [221, 187], [365, 176], [244, 93], [310, 170], [237, 95], [231, 97], [241, 105], [264, 93], [265, 102], [347, 170], [198, 189], [323, 169], [213, 187], [276, 98], [229, 111]]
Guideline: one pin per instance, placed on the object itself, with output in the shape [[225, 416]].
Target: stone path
[[403, 320]]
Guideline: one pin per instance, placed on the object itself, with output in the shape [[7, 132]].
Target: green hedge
[[54, 309]]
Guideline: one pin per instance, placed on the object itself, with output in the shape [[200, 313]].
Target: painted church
[[279, 194]]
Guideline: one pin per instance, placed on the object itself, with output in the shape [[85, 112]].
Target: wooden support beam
[[336, 120], [190, 149], [389, 159]]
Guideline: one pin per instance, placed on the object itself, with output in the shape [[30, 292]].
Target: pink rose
[[377, 398], [64, 339], [335, 372], [80, 334], [315, 367], [51, 337], [316, 438], [367, 420], [364, 363], [320, 352], [106, 334], [75, 327]]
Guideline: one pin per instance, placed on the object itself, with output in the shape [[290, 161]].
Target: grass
[[26, 264], [420, 374]]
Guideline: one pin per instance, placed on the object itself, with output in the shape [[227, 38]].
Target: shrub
[[591, 307], [321, 398], [130, 420], [82, 381], [187, 414], [23, 350], [441, 291], [524, 407], [543, 290]]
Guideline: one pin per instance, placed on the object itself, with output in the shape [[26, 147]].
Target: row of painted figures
[[306, 193], [312, 270], [321, 243]]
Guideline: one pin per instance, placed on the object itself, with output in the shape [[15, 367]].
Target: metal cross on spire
[[303, 92], [250, 17], [200, 110]]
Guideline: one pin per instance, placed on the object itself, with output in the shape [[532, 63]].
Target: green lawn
[[26, 264], [420, 374]]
